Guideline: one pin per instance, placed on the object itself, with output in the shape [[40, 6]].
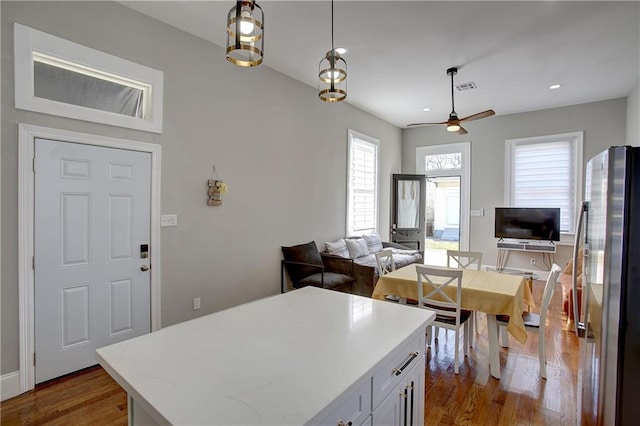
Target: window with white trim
[[546, 171], [362, 184], [59, 77]]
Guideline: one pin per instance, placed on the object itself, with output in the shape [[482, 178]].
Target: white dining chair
[[385, 263], [384, 260], [466, 260], [537, 323], [432, 295]]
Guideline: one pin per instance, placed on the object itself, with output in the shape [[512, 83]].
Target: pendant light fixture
[[332, 83], [245, 34]]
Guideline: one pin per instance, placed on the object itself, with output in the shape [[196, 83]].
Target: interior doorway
[[446, 168]]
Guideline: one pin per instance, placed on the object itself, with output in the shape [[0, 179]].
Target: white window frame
[[575, 138], [30, 43], [352, 134]]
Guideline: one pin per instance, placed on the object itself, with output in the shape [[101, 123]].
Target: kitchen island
[[310, 356]]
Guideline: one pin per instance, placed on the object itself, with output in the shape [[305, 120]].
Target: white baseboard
[[9, 385]]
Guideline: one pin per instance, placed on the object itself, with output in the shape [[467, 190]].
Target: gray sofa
[[364, 268]]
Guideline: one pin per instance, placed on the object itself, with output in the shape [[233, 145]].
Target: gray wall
[[281, 151], [633, 116], [603, 124]]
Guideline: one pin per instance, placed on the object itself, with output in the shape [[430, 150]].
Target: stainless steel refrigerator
[[608, 325]]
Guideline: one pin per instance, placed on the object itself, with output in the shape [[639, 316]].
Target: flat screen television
[[527, 223]]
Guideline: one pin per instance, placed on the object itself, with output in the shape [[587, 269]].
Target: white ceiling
[[398, 52]]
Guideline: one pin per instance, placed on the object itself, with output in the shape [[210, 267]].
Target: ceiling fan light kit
[[453, 127], [453, 123], [332, 74], [245, 34]]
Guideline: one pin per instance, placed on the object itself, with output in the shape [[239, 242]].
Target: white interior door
[[92, 283]]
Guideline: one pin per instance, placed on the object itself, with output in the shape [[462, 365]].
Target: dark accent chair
[[305, 267]]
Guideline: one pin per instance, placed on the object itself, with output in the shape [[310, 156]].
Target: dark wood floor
[[473, 397]]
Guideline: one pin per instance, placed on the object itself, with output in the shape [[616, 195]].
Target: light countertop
[[278, 360]]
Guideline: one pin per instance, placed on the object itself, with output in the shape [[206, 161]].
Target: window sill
[[566, 239]]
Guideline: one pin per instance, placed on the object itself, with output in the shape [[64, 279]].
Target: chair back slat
[[437, 289], [385, 262], [464, 259]]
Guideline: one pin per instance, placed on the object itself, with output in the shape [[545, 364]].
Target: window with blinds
[[362, 185], [546, 171]]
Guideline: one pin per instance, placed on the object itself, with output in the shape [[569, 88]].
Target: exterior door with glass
[[407, 227]]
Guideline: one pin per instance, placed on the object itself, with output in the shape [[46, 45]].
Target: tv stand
[[537, 246], [505, 247]]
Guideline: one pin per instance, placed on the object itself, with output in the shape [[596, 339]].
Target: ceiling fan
[[453, 123]]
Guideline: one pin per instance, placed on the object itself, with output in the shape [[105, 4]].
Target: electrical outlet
[[169, 220], [196, 303], [532, 261]]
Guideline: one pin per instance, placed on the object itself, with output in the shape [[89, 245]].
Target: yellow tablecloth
[[482, 291]]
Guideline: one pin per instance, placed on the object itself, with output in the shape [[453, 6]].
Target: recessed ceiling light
[[426, 109], [555, 86], [341, 50]]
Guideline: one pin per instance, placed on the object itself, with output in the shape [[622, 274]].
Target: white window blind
[[362, 215], [546, 172], [57, 81]]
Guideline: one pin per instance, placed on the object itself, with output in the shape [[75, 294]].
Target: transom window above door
[[58, 77], [439, 162]]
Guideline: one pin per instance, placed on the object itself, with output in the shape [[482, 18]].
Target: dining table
[[490, 292]]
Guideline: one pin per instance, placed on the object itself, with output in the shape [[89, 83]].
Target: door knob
[[144, 268]]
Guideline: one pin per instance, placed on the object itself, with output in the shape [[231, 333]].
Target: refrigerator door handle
[[580, 327]]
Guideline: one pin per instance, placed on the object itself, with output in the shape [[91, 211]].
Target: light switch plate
[[169, 220]]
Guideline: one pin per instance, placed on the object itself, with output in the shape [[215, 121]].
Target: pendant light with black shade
[[332, 83]]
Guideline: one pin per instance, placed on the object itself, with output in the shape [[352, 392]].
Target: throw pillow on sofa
[[357, 247], [374, 242], [337, 248]]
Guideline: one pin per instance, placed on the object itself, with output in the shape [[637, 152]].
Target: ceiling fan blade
[[424, 124], [462, 131], [483, 114]]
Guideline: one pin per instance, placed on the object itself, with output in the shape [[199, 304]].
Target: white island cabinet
[[310, 356]]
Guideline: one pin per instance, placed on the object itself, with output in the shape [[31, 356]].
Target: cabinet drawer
[[396, 366], [354, 410]]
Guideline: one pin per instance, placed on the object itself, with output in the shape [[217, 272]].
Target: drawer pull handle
[[412, 356], [412, 400], [406, 398]]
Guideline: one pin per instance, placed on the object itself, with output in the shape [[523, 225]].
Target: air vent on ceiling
[[466, 86]]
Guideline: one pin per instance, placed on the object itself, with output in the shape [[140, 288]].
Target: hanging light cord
[[332, 46], [332, 60], [453, 107]]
